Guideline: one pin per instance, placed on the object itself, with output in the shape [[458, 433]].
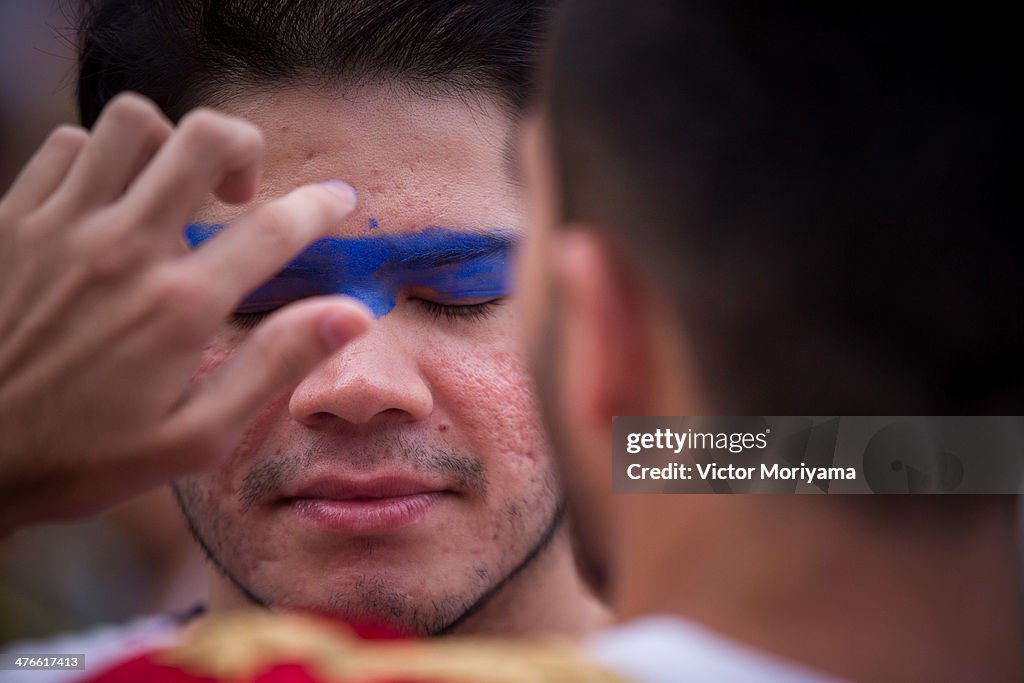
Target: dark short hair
[[823, 192], [183, 53]]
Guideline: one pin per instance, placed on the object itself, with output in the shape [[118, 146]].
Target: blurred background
[[137, 559]]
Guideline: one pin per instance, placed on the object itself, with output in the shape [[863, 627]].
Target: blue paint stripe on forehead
[[444, 265]]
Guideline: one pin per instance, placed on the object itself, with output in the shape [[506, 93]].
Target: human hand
[[104, 313]]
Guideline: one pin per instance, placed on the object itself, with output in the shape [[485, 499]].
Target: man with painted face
[[393, 472], [752, 209]]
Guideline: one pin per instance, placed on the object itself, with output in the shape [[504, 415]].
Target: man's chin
[[353, 600]]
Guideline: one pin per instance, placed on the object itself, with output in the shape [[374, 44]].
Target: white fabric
[[102, 647], [670, 650]]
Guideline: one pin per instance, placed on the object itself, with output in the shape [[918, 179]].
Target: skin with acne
[[437, 397]]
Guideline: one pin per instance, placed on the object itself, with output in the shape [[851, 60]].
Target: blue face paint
[[445, 266], [374, 223]]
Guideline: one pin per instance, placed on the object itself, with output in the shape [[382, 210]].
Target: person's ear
[[606, 330]]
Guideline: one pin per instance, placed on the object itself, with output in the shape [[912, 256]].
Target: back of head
[[822, 193], [183, 53]]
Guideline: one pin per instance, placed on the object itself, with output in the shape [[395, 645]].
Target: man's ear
[[606, 331]]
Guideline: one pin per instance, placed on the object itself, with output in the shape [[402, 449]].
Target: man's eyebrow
[[457, 248]]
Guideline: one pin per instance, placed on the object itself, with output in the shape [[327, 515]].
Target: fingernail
[[342, 189], [339, 329]]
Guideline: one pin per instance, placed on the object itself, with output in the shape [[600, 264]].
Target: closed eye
[[247, 321], [453, 312]]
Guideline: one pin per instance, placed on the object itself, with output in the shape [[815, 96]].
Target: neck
[[918, 594], [546, 597]]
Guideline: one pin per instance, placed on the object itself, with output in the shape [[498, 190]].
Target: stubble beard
[[371, 596]]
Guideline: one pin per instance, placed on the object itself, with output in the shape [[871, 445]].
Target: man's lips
[[341, 488], [361, 506]]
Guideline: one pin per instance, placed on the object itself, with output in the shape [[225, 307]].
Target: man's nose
[[375, 377]]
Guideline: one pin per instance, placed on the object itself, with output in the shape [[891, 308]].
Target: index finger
[[252, 249], [208, 151]]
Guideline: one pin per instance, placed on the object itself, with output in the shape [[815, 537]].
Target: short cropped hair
[[823, 192], [185, 53]]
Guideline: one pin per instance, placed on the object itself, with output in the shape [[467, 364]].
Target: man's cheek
[[258, 431], [492, 396], [215, 354]]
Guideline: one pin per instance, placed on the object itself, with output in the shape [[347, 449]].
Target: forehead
[[415, 161]]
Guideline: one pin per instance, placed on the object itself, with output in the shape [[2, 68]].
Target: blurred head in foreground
[[765, 210]]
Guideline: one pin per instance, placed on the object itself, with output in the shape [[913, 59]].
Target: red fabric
[[376, 632], [146, 668], [364, 631]]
